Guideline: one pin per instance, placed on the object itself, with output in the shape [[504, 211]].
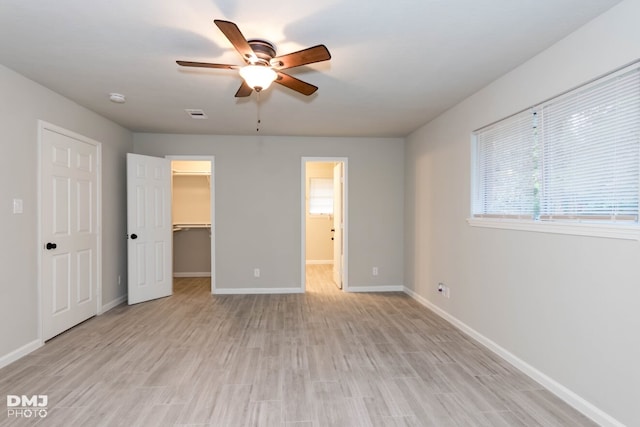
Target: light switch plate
[[17, 206]]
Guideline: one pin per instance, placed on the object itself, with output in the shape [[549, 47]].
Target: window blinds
[[321, 196], [574, 157], [506, 168], [591, 157]]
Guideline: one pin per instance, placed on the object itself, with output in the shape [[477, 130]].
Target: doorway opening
[[324, 212], [192, 209]]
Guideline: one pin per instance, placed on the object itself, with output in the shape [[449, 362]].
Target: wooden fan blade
[[232, 32], [295, 84], [244, 90], [207, 65], [302, 57]]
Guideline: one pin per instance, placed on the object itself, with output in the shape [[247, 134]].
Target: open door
[[149, 228], [337, 224]]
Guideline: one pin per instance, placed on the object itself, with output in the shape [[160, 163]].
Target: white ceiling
[[395, 64]]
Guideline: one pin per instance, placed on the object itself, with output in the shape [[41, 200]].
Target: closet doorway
[[192, 209]]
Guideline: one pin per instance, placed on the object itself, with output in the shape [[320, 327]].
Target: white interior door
[[149, 228], [69, 229], [337, 224]]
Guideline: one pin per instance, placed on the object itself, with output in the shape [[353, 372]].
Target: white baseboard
[[252, 291], [116, 302], [588, 409], [319, 262], [7, 359], [375, 289], [192, 274]]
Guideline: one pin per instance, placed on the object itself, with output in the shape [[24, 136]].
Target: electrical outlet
[[256, 272], [441, 287], [374, 271]]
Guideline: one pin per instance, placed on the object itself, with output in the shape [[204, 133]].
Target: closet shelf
[[181, 227], [192, 173]]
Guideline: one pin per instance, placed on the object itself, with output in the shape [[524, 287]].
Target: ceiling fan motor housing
[[263, 49]]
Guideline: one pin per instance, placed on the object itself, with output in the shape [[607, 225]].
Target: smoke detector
[[118, 98]]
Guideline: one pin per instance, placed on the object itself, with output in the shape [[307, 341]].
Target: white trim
[[390, 288], [113, 304], [99, 227], [212, 225], [192, 274], [345, 218], [19, 353], [319, 262], [253, 291], [42, 125], [610, 231], [570, 397]]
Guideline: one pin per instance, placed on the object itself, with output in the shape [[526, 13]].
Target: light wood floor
[[325, 358]]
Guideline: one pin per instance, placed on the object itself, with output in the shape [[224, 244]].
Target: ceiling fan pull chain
[[258, 113]]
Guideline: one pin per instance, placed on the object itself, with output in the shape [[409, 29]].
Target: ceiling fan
[[262, 65]]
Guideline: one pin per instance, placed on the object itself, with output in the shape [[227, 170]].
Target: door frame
[[42, 127], [345, 218], [212, 210]]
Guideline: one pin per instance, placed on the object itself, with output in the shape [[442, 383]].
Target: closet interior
[[191, 212]]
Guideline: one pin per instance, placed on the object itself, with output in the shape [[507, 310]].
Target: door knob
[[50, 246], [134, 236]]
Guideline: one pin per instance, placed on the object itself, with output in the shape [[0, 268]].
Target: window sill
[[610, 231]]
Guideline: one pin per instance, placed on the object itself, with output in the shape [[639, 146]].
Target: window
[[321, 196], [506, 176], [573, 158]]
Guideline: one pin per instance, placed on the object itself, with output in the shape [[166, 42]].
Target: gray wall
[[192, 252], [258, 202], [566, 305], [22, 104]]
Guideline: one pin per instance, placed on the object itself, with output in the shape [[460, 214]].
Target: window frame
[[567, 226]]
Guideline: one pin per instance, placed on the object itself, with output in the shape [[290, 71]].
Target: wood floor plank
[[265, 414], [300, 403], [268, 383], [323, 358]]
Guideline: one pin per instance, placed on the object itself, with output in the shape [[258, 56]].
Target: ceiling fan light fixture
[[258, 77], [263, 67]]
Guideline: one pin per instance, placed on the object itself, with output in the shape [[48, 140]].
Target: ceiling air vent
[[196, 114]]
